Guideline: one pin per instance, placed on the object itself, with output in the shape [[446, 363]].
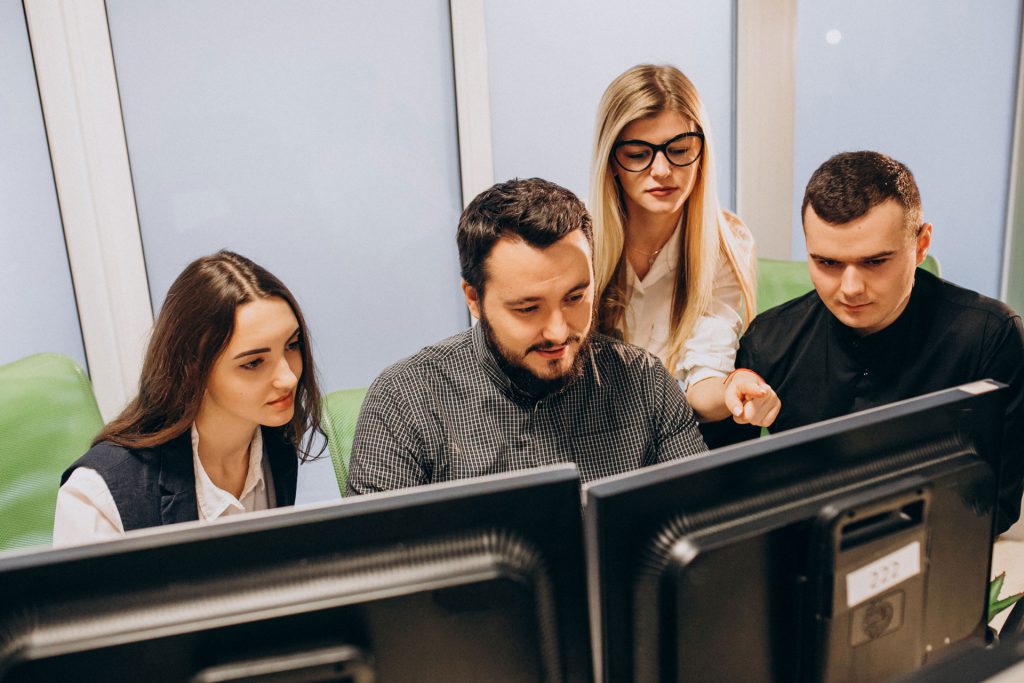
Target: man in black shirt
[[531, 384], [877, 329]]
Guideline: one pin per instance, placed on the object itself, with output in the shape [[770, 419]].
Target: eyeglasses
[[638, 155]]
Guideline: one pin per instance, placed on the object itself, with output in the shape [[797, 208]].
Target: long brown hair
[[194, 325], [645, 91]]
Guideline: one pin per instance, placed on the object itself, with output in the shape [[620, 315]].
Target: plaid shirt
[[449, 412]]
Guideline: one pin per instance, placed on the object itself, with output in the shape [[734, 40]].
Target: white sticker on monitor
[[882, 574], [980, 387]]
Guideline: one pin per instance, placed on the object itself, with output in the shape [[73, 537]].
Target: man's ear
[[472, 299], [924, 242]]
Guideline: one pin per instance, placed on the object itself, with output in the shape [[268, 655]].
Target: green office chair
[[780, 280], [48, 417], [340, 411]]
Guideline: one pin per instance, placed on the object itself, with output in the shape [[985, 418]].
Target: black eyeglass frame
[[663, 148]]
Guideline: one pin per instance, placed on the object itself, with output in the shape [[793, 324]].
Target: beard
[[515, 368]]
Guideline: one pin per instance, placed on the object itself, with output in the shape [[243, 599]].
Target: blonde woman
[[675, 273]]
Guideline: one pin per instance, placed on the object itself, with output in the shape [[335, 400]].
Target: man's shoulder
[[798, 306], [773, 338], [786, 316], [430, 361], [958, 301]]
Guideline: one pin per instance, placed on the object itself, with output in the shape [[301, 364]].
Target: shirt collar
[[489, 363], [214, 501]]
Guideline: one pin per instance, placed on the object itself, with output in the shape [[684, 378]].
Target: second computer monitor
[[852, 550]]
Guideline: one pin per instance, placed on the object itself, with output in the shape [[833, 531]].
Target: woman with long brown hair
[[675, 273], [227, 393]]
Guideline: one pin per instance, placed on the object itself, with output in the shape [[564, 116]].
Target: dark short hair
[[533, 210], [850, 184]]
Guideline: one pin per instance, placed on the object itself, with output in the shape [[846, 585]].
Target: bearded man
[[531, 384]]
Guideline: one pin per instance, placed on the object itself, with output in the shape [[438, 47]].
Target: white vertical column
[[1011, 283], [765, 105], [75, 70], [472, 96]]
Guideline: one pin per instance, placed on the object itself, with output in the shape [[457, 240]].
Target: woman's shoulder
[[740, 243], [102, 457], [110, 456], [106, 452], [738, 232]]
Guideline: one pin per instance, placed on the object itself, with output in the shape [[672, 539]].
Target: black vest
[[156, 486]]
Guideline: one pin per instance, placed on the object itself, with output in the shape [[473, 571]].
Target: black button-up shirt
[[449, 412], [946, 336]]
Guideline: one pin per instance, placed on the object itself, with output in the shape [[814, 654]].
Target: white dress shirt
[[711, 349], [86, 512]]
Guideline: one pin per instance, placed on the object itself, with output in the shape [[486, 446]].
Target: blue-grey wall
[[318, 139], [549, 63], [37, 302], [932, 84]]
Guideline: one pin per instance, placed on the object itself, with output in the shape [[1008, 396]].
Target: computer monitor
[[475, 580], [850, 550]]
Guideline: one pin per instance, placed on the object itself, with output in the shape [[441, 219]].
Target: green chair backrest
[[341, 409], [780, 280], [48, 418], [931, 264]]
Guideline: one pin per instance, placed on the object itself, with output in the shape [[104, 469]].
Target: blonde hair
[[644, 91]]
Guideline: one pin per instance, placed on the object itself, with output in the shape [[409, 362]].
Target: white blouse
[[86, 512], [711, 349]]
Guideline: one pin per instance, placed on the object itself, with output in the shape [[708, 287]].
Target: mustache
[[571, 339]]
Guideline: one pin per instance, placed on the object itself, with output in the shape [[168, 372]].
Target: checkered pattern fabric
[[449, 412]]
